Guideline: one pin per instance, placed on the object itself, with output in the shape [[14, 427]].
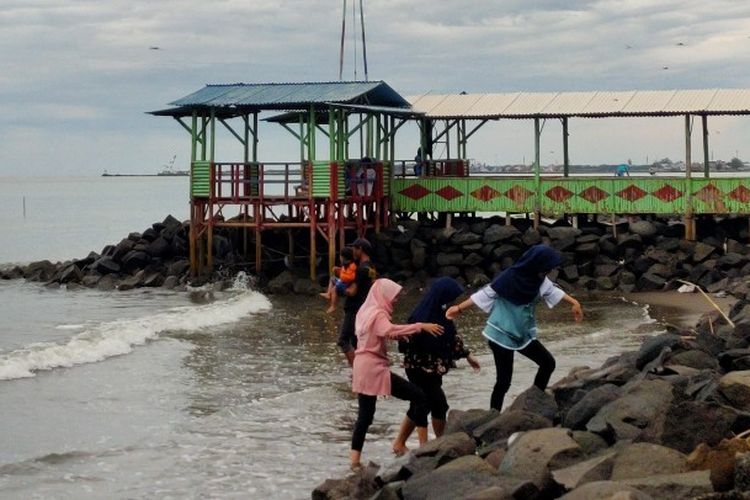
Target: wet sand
[[679, 309]]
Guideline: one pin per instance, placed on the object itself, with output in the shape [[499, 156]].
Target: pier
[[347, 181]]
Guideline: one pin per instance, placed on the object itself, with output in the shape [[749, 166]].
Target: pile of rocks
[[644, 255], [156, 257], [665, 421]]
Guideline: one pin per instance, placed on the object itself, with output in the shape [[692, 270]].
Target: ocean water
[[232, 394]]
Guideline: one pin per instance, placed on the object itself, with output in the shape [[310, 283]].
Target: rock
[[684, 485], [70, 274], [418, 253], [642, 228], [742, 472], [468, 420], [358, 485], [693, 358], [41, 270], [134, 260], [179, 268], [649, 281], [735, 386], [589, 442], [702, 251], [606, 490], [587, 250], [585, 409], [122, 248], [534, 400], [598, 468], [90, 280], [535, 452], [569, 273], [646, 459], [462, 238], [391, 491], [450, 446], [531, 237], [132, 281], [153, 280], [170, 282], [689, 423], [106, 283], [305, 286], [730, 260], [159, 247], [506, 251], [281, 284], [496, 233], [457, 479], [720, 460], [450, 259], [495, 457], [509, 489], [629, 241], [605, 270], [509, 422], [734, 359], [605, 283], [105, 265], [562, 232], [450, 271], [642, 404], [564, 244], [652, 347]]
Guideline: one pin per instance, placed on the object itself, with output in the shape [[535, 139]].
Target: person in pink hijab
[[371, 374]]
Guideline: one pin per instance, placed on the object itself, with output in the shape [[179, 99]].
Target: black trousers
[[432, 386], [347, 336], [401, 389], [536, 352]]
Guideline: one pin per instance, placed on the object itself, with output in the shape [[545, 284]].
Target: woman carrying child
[[511, 301], [371, 375], [428, 358], [343, 276]]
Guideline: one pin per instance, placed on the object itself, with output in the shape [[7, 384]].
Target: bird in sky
[[680, 44], [665, 67], [627, 47], [154, 47]]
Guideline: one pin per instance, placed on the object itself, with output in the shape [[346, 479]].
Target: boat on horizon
[[167, 171]]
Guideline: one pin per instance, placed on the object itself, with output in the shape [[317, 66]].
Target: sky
[[77, 76]]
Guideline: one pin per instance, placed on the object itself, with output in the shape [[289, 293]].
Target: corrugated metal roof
[[270, 96], [584, 104]]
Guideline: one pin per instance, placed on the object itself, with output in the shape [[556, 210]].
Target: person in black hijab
[[427, 358], [511, 301]]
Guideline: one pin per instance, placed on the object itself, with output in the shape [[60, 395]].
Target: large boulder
[[598, 468], [135, 260], [70, 274], [456, 479], [562, 232], [497, 233], [509, 422], [735, 386], [694, 358], [159, 247], [643, 228], [468, 420], [281, 284], [450, 259], [41, 270], [646, 459], [702, 251], [122, 248], [361, 484], [462, 238], [536, 452], [720, 460], [535, 400], [606, 490], [652, 347], [689, 423], [448, 446], [642, 406], [684, 485], [580, 413], [105, 265], [131, 282]]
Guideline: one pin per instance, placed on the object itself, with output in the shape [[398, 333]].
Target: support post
[[537, 174], [210, 228], [689, 215], [706, 169], [566, 158]]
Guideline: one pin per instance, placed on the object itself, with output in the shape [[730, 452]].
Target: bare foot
[[400, 450], [331, 310], [355, 467], [325, 295]]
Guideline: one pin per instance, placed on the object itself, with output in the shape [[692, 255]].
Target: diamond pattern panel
[[709, 194], [559, 194], [449, 193], [632, 193], [485, 193], [741, 194], [593, 194], [415, 192], [519, 194], [667, 193]]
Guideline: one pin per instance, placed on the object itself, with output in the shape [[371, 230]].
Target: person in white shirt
[[511, 301]]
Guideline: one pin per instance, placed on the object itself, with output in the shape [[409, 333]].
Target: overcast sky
[[76, 76]]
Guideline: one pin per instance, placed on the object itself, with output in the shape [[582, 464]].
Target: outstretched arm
[[575, 307], [454, 311]]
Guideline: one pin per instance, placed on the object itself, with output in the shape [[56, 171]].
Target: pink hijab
[[379, 302]]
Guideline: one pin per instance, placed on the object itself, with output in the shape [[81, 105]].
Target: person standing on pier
[[511, 301], [356, 293], [371, 374], [427, 358]]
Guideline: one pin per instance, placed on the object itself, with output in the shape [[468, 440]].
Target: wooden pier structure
[[339, 195]]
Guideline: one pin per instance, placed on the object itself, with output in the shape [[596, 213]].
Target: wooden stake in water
[[24, 207]]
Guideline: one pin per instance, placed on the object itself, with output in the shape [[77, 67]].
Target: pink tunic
[[371, 373]]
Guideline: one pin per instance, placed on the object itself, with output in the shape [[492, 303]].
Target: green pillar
[[566, 158], [194, 138]]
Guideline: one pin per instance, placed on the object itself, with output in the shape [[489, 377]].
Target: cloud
[[83, 68]]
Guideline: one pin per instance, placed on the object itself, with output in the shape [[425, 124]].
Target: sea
[[200, 393]]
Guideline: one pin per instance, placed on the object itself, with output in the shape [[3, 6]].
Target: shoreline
[[682, 310]]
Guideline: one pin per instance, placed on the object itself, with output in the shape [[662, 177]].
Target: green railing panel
[[386, 178], [321, 179], [555, 196], [200, 179]]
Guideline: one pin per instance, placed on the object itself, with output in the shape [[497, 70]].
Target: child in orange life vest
[[343, 277]]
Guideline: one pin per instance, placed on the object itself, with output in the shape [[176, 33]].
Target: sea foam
[[115, 338]]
